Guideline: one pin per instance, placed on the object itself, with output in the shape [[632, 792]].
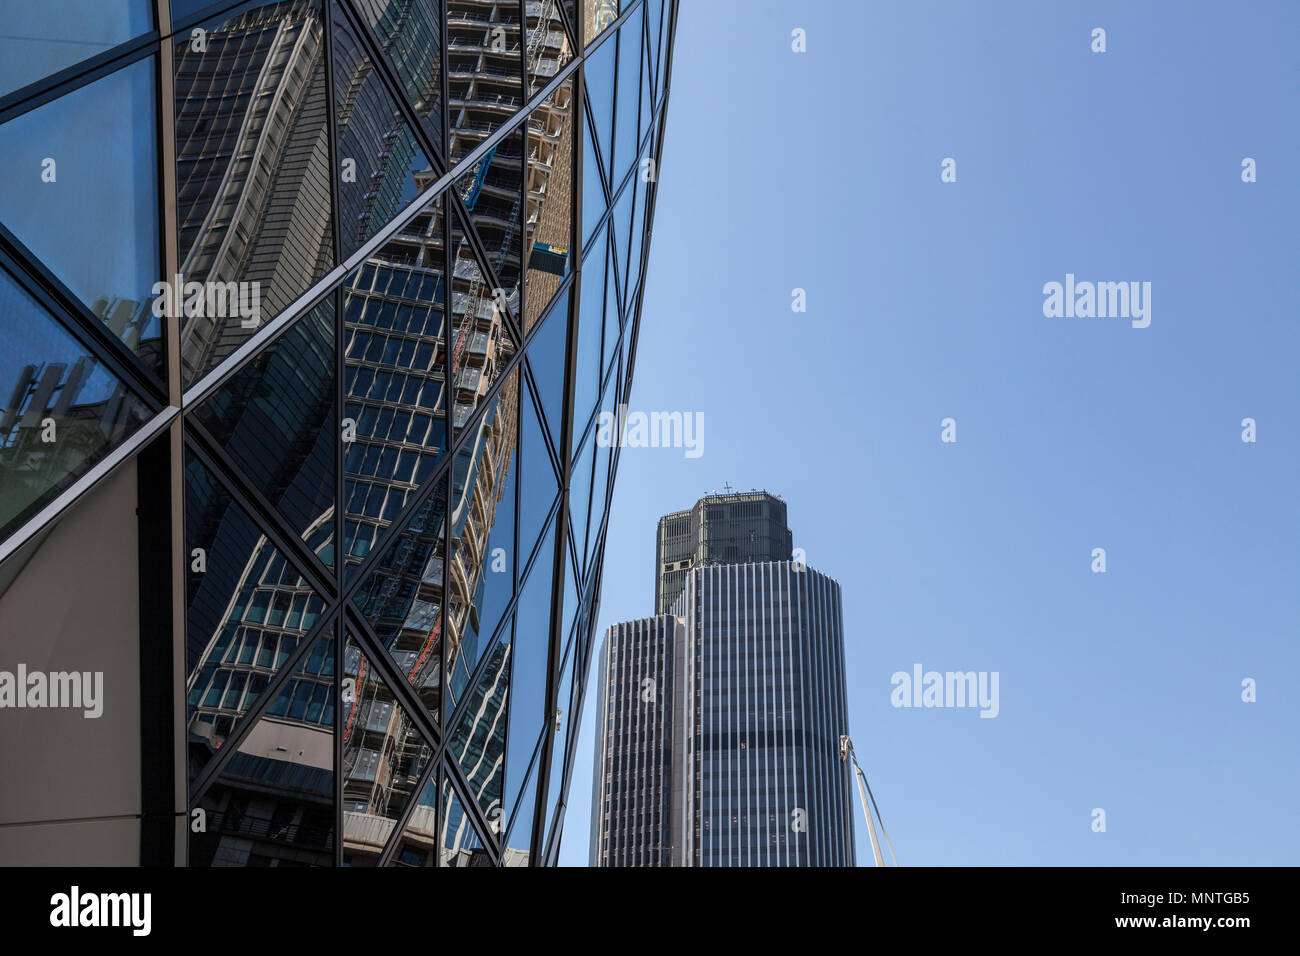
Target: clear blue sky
[[822, 171]]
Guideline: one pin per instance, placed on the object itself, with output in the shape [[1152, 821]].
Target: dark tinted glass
[[379, 164], [491, 190], [484, 71], [272, 804], [248, 610], [483, 572], [402, 599], [43, 38], [478, 740], [384, 758], [461, 844], [395, 371], [62, 410], [482, 343], [79, 188], [548, 44], [275, 417], [253, 172], [409, 33]]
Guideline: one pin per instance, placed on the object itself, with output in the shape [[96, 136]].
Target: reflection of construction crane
[[864, 791]]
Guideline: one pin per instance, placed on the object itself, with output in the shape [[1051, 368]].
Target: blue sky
[[821, 171]]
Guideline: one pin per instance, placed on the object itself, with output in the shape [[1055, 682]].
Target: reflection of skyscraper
[[252, 180], [719, 721], [364, 504]]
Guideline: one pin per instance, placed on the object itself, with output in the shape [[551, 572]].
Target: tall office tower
[[305, 408], [719, 726], [720, 529]]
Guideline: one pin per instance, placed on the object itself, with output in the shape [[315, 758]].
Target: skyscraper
[[297, 445], [718, 725], [720, 529]]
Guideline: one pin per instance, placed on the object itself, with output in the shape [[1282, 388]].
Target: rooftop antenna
[[726, 488]]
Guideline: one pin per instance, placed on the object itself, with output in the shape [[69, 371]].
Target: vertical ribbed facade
[[749, 754]]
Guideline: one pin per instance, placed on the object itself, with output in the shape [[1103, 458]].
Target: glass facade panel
[[484, 71], [587, 366], [381, 167], [550, 200], [41, 39], [548, 43], [90, 158], [482, 343], [409, 36], [599, 14], [253, 173], [629, 84], [275, 418], [538, 486], [478, 740], [384, 758], [62, 412], [272, 804], [482, 576], [461, 844], [492, 191], [593, 190], [546, 357], [402, 599]]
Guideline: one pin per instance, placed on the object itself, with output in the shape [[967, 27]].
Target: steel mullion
[[399, 685], [399, 825], [78, 75]]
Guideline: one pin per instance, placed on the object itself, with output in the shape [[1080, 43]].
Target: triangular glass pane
[[647, 70], [593, 191], [46, 374], [561, 731], [384, 756], [546, 357], [613, 325], [628, 89], [253, 173], [418, 844], [662, 59], [587, 366], [272, 804], [538, 485], [530, 659], [80, 190], [548, 44], [637, 239], [654, 21], [622, 223], [598, 73], [599, 489], [275, 417], [40, 39], [481, 343], [484, 71], [483, 569], [381, 168], [247, 610], [516, 848], [580, 490], [395, 374], [478, 741], [461, 844], [402, 599], [550, 200], [409, 34]]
